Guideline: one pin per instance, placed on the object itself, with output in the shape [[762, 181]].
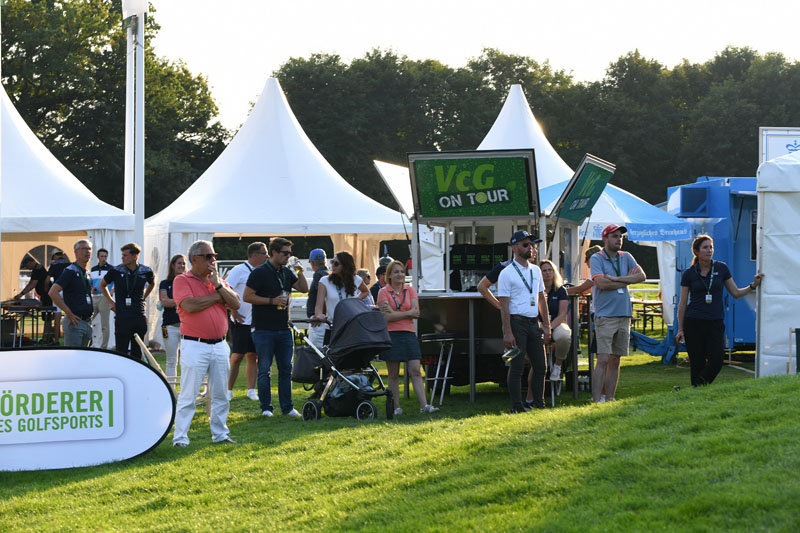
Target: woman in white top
[[341, 283]]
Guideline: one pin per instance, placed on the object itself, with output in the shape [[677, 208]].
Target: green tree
[[64, 69]]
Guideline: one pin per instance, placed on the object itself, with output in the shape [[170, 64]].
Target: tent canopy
[[271, 180], [516, 127], [39, 194]]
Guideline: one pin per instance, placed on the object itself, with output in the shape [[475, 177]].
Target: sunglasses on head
[[208, 257]]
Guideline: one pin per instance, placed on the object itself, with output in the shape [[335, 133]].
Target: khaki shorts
[[613, 334]]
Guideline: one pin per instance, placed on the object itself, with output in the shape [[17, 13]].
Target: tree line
[[64, 69]]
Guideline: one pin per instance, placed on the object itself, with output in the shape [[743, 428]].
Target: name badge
[[621, 290], [709, 298], [88, 299], [533, 301], [128, 302]]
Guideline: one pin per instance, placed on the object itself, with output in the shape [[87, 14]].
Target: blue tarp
[[645, 222]]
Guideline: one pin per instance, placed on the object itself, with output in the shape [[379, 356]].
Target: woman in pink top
[[399, 304]]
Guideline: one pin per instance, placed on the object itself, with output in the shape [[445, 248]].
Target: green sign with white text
[[470, 187], [584, 189]]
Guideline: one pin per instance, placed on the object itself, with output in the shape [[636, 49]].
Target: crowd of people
[[202, 311]]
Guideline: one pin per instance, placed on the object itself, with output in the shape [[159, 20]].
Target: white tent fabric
[[778, 192], [39, 193], [43, 203], [517, 128], [271, 180]]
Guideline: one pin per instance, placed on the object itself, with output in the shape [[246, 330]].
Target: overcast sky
[[237, 44]]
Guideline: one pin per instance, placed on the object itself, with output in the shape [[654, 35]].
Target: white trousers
[[197, 360], [562, 336], [317, 335], [171, 344]]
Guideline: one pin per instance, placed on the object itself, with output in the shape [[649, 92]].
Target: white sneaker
[[267, 413], [252, 395], [294, 413], [229, 395], [429, 409], [555, 373], [602, 398], [398, 411]]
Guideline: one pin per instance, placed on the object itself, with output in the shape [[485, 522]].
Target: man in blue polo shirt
[[76, 303], [612, 270], [133, 283]]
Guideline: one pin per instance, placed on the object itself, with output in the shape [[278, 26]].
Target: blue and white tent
[[517, 128]]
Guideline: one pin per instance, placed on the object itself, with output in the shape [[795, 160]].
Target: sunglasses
[[208, 257], [334, 262], [285, 253], [526, 244]]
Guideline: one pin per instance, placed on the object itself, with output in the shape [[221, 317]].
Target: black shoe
[[528, 404], [520, 409]]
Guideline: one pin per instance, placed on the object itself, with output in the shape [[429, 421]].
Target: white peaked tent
[[271, 180], [778, 225], [43, 203], [517, 128]]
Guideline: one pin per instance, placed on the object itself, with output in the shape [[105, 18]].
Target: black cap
[[521, 235]]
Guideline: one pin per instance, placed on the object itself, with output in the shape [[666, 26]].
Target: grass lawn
[[723, 457]]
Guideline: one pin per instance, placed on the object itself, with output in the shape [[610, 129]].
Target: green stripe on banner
[[110, 408]]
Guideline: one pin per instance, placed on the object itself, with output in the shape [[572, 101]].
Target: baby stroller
[[342, 376]]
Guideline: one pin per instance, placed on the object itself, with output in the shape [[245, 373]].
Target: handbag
[[306, 366]]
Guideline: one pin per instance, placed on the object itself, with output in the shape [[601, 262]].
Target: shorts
[[241, 339], [405, 347], [613, 334]]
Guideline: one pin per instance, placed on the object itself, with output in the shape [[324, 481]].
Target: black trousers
[[124, 328], [705, 344], [530, 342]]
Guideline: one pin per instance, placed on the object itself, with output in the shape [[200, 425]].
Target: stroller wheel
[[365, 410], [312, 410]]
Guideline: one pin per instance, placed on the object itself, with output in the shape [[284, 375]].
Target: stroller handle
[[312, 321]]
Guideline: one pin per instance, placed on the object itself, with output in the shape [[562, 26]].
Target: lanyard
[[280, 279], [616, 266], [398, 304], [248, 266], [87, 284], [128, 278], [710, 278], [530, 271]]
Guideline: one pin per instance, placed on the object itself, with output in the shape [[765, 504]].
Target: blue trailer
[[725, 209]]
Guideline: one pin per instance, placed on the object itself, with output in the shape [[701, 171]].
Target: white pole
[[129, 113], [138, 172], [1, 143]]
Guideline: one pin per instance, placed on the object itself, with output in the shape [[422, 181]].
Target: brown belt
[[535, 319]]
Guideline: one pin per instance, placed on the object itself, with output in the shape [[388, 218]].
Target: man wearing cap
[[202, 297], [612, 270], [318, 262], [491, 277], [380, 275], [241, 340], [520, 290]]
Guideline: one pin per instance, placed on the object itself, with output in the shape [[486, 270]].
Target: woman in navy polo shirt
[[701, 313], [170, 321]]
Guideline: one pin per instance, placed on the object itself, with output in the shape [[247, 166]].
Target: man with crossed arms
[[520, 290]]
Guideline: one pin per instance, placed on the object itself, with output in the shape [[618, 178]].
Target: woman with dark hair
[[557, 305], [399, 304], [170, 322], [341, 283], [701, 313]]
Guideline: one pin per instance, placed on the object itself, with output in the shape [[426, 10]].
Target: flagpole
[[138, 172]]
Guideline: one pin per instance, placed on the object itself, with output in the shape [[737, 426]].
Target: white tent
[[43, 203], [271, 180], [778, 192]]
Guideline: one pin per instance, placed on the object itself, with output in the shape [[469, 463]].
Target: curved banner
[[70, 407]]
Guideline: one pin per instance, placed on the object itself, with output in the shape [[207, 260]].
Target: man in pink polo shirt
[[202, 296]]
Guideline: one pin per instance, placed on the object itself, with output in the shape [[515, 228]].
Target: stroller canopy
[[357, 328]]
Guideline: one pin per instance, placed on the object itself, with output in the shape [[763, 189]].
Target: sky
[[237, 44]]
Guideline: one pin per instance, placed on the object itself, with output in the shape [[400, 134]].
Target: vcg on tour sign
[[485, 184], [63, 408]]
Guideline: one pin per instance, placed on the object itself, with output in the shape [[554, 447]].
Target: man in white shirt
[[520, 290], [241, 338]]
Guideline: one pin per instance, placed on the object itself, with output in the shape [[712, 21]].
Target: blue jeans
[[279, 344]]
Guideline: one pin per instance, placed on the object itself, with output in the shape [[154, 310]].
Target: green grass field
[[720, 458]]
